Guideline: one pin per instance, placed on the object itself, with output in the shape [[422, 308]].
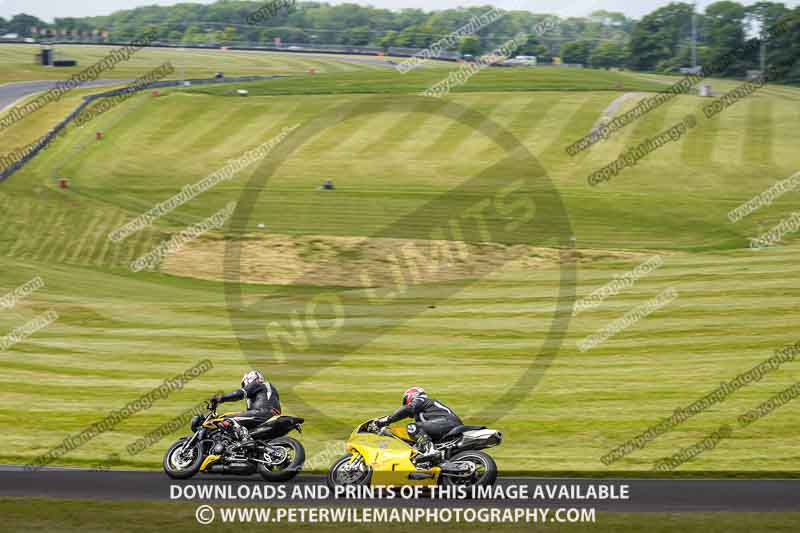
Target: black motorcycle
[[214, 449]]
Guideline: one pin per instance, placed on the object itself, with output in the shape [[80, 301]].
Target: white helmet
[[252, 376]]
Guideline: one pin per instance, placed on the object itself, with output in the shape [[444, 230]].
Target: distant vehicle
[[521, 61], [468, 57], [10, 36], [294, 48], [29, 40]]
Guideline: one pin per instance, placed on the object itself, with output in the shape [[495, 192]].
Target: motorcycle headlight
[[197, 421]]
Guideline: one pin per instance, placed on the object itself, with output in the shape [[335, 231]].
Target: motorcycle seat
[[458, 430], [281, 420]]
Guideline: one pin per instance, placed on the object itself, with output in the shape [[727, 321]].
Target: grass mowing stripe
[[349, 138], [598, 155], [53, 235], [414, 125], [699, 150], [757, 141], [732, 125], [524, 119], [103, 258], [579, 122], [29, 231], [443, 139], [460, 142]]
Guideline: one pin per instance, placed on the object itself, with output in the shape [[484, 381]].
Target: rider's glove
[[383, 421], [214, 400]]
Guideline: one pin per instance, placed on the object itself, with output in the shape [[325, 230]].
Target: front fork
[[355, 461], [189, 443]]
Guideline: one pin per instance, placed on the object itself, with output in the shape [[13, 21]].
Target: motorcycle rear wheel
[[486, 470], [290, 467]]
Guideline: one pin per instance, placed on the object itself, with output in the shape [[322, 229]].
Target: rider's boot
[[244, 440], [426, 451]]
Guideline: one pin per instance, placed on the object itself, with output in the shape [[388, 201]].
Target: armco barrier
[[45, 141]]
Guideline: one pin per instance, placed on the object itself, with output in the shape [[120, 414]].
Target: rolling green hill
[[121, 333]]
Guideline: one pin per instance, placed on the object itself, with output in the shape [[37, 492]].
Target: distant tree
[[336, 24], [658, 36], [612, 19], [228, 34], [470, 45], [576, 52], [533, 47], [723, 25], [763, 15], [358, 36], [607, 55], [22, 24], [387, 39], [784, 48]]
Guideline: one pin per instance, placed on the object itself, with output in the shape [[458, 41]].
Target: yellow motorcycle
[[381, 456]]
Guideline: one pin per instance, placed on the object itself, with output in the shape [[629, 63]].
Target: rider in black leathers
[[263, 402], [433, 420]]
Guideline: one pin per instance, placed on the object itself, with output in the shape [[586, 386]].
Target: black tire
[[185, 469], [296, 457], [333, 479], [487, 470]]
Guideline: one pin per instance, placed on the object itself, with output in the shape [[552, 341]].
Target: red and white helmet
[[252, 376], [411, 394]]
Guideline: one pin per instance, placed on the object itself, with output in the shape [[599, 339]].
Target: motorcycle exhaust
[[232, 468], [457, 468], [479, 439]]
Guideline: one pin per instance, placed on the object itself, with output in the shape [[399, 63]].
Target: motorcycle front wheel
[[287, 456], [344, 472], [180, 463]]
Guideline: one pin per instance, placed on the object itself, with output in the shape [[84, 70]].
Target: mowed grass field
[[18, 63], [121, 333]]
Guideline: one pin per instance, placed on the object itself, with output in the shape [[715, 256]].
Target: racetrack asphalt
[[645, 495], [15, 91]]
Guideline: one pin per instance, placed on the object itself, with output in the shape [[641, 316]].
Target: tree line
[[669, 38]]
